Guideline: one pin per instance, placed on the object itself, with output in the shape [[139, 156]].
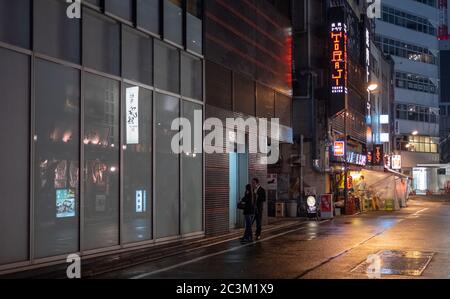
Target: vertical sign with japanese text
[[378, 155], [132, 115], [338, 59]]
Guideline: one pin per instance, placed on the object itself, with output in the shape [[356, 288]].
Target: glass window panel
[[57, 159], [192, 177], [173, 21], [148, 15], [121, 8], [14, 134], [434, 148], [167, 168], [194, 33], [195, 8], [138, 57], [15, 22], [421, 147], [96, 3], [137, 168], [191, 78], [167, 67], [101, 140], [101, 40], [54, 33]]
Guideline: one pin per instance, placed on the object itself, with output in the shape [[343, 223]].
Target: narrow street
[[329, 249]]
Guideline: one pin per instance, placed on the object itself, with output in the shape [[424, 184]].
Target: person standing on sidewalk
[[260, 198], [362, 193], [249, 213]]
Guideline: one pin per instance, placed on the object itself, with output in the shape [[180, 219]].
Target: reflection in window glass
[[57, 159], [101, 147], [194, 25], [95, 3], [121, 8], [137, 168], [14, 136], [101, 40], [55, 34], [167, 67], [191, 79], [148, 15], [15, 22], [138, 57], [192, 182], [173, 21], [167, 168]]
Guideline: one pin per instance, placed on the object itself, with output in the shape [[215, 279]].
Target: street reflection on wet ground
[[413, 242]]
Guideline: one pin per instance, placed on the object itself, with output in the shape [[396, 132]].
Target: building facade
[[331, 75], [445, 102], [407, 30], [248, 76], [86, 115], [381, 127]]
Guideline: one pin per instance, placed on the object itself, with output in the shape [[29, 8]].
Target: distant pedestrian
[[362, 185], [362, 193], [249, 213], [260, 198]]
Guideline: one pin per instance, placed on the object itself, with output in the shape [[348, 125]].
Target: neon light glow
[[339, 58]]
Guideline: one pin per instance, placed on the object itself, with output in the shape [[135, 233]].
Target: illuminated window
[[423, 144], [405, 50]]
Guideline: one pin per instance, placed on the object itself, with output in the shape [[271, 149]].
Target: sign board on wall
[[141, 201], [378, 155], [338, 59], [326, 206], [65, 203], [339, 149], [357, 159], [384, 119], [396, 162], [132, 116]]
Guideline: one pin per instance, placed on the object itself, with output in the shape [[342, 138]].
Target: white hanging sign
[[132, 116]]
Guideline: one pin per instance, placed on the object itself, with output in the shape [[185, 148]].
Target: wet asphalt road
[[329, 249]]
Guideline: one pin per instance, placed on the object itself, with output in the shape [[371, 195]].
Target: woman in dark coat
[[249, 213]]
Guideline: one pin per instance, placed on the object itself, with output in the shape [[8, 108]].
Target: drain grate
[[403, 263]]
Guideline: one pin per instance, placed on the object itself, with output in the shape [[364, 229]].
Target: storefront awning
[[401, 175]]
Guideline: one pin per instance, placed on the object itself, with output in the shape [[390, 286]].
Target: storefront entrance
[[239, 178], [420, 181]]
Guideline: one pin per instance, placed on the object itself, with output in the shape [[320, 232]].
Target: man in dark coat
[[260, 198]]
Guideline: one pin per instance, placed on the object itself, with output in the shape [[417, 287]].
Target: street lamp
[[372, 87], [415, 133]]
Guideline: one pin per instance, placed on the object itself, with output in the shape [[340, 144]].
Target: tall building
[[331, 76], [444, 107], [407, 30], [86, 111], [248, 75], [381, 102]]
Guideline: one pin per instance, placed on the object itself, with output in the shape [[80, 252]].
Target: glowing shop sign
[[338, 58], [396, 162], [339, 149], [132, 110]]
